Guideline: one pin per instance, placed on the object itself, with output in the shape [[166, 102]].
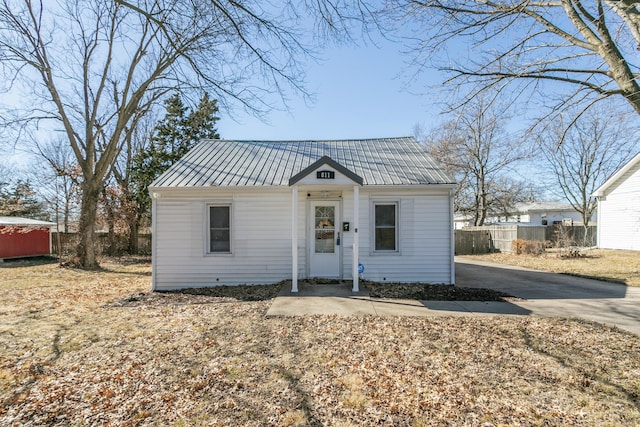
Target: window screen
[[386, 227], [219, 229]]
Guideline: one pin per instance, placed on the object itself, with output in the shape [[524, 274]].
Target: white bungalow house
[[258, 212], [619, 208]]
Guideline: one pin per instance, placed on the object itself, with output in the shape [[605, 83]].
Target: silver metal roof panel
[[226, 163]]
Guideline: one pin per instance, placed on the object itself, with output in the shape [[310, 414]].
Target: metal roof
[[543, 206], [16, 220], [223, 163]]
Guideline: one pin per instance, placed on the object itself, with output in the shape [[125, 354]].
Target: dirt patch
[[220, 294], [210, 295], [433, 292]]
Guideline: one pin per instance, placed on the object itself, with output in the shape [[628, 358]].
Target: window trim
[[207, 248], [396, 204]]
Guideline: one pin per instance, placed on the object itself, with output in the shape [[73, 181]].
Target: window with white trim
[[219, 217], [385, 226]]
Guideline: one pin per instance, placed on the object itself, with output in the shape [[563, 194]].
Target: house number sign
[[325, 175]]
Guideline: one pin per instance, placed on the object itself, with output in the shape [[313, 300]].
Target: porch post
[[356, 210], [294, 238]]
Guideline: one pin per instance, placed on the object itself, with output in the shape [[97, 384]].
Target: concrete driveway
[[542, 294], [550, 294]]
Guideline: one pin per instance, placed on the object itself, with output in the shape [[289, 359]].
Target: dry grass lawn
[[96, 348], [613, 265]]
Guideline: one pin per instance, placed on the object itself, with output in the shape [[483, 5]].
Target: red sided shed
[[24, 237]]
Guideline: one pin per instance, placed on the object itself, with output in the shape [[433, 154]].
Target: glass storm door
[[324, 236]]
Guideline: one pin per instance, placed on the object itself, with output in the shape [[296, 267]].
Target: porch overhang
[[326, 169]]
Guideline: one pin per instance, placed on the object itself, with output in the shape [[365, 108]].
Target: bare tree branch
[[99, 64], [480, 154], [567, 44], [585, 152]]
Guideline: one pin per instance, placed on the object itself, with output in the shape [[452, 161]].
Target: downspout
[[452, 241], [154, 239], [356, 248], [294, 239], [598, 223]]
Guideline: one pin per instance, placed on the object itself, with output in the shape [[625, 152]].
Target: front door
[[324, 239]]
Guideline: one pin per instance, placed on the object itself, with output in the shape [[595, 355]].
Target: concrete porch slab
[[314, 298], [338, 299]]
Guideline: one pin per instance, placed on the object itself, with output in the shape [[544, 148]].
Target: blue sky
[[359, 92]]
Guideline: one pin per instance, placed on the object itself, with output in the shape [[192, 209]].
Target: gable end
[[325, 160]]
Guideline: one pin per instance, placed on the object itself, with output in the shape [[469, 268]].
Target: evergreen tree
[[173, 136], [21, 200]]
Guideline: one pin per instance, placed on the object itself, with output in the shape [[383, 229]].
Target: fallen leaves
[[99, 349]]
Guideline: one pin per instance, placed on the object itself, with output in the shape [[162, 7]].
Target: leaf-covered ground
[[603, 264], [96, 348]]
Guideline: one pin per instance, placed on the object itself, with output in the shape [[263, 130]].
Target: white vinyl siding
[[619, 213], [424, 239], [260, 241], [260, 237]]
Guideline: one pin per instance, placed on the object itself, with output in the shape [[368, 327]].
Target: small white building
[[258, 212], [619, 208]]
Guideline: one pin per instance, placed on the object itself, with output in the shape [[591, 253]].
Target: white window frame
[[396, 204], [208, 229]]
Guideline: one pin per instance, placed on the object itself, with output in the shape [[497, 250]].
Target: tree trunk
[[133, 235], [86, 251], [483, 208], [112, 245], [481, 201], [66, 217]]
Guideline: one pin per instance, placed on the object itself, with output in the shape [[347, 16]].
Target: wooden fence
[[69, 241], [498, 238], [472, 242]]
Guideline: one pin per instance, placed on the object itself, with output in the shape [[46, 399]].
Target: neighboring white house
[[619, 208], [532, 213], [258, 212], [542, 213], [461, 221]]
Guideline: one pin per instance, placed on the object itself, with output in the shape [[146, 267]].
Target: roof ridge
[[297, 141]]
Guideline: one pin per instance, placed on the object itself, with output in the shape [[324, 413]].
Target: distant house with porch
[[258, 212], [619, 208]]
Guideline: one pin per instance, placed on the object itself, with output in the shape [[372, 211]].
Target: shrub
[[529, 247]]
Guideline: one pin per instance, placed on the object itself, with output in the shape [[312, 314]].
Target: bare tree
[[476, 149], [59, 183], [121, 189], [588, 47], [92, 66], [583, 157], [6, 172]]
